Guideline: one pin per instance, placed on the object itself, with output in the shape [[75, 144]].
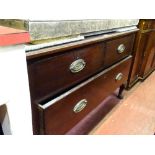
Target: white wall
[[14, 89]]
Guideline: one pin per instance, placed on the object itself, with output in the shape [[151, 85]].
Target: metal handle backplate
[[77, 65], [121, 48], [80, 106], [119, 76]]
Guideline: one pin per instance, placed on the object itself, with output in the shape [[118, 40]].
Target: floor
[[134, 115]]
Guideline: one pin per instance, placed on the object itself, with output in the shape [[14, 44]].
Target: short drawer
[[62, 113], [118, 48], [52, 75]]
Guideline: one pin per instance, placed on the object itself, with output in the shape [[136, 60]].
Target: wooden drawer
[[118, 48], [62, 113], [147, 25], [52, 75]]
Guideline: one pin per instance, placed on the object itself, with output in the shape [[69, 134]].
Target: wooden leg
[[120, 96], [1, 131]]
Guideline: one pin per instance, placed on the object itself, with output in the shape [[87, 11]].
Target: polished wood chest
[[60, 114], [67, 82]]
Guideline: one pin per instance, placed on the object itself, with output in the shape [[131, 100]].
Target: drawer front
[[118, 49], [53, 75], [59, 115]]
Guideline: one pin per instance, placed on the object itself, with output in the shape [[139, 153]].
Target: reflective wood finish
[[112, 49], [59, 117], [144, 52], [50, 77], [52, 74]]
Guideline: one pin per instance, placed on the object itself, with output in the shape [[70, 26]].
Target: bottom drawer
[[62, 113]]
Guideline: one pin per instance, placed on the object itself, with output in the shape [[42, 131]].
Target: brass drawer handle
[[77, 65], [80, 106], [119, 76], [121, 48]]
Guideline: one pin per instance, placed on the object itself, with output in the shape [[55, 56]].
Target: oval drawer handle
[[121, 48], [80, 106], [77, 65], [119, 76]]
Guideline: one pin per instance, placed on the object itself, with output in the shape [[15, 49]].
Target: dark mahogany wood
[[51, 75], [112, 56], [60, 118], [120, 93], [136, 62]]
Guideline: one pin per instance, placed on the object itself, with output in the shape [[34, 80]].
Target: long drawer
[[118, 48], [51, 75], [62, 113]]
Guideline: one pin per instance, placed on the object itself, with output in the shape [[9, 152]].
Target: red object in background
[[11, 36]]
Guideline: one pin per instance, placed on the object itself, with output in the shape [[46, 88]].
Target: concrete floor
[[135, 115]]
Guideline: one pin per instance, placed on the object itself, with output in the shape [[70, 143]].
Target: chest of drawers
[[62, 113], [69, 81], [56, 73]]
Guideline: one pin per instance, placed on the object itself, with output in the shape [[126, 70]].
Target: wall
[[14, 89]]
